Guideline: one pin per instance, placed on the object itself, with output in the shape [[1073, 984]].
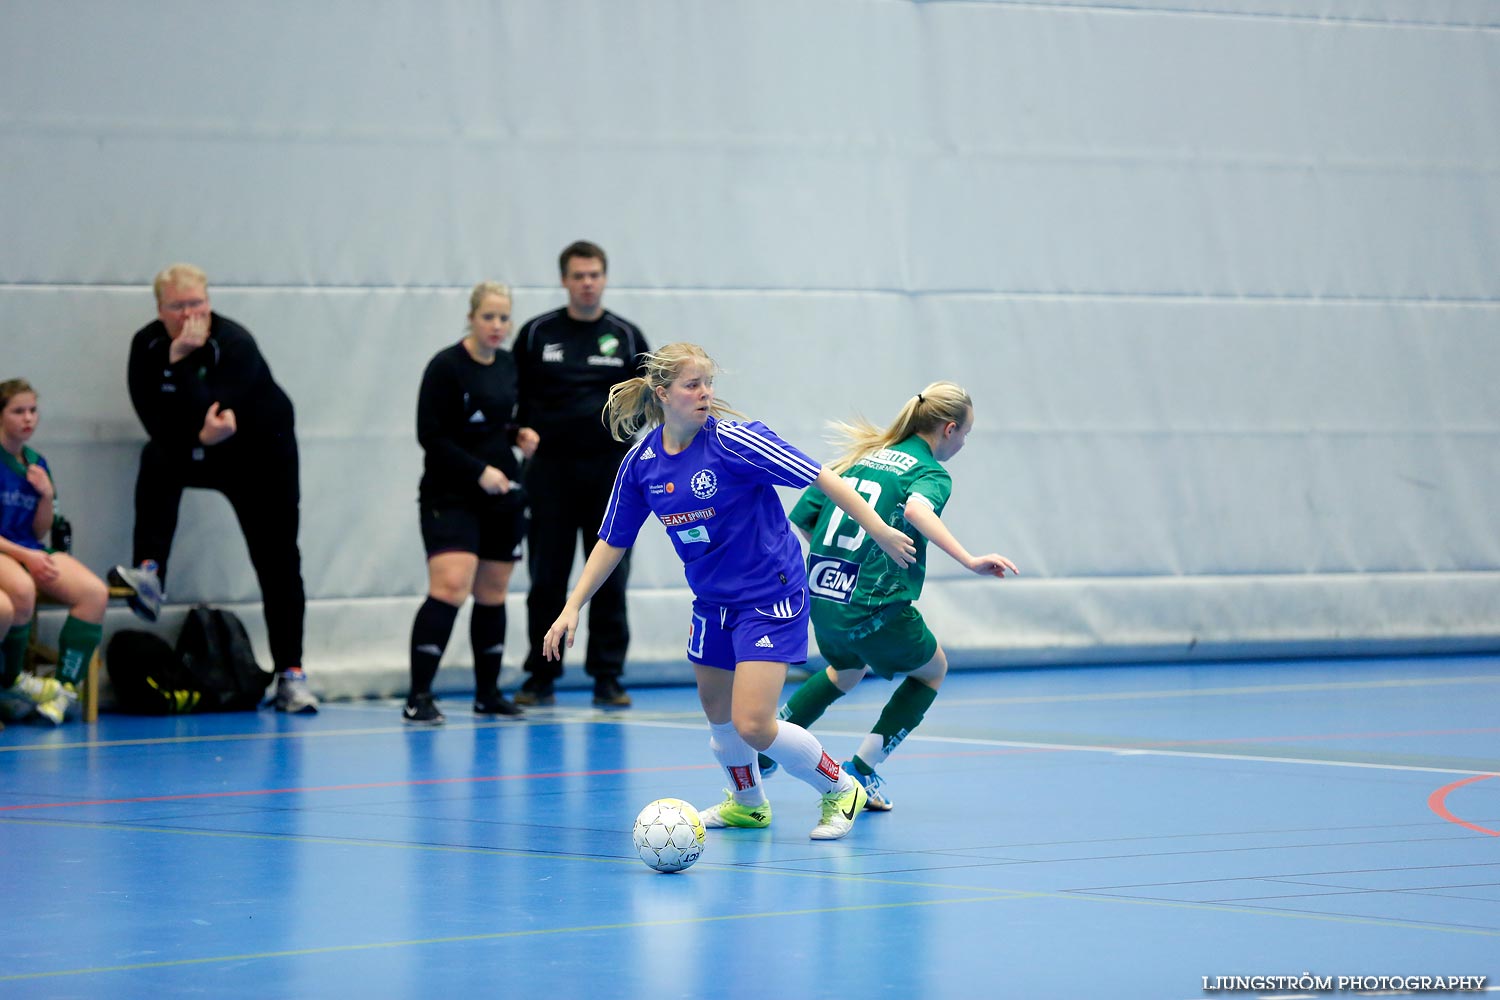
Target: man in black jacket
[[217, 420], [566, 362]]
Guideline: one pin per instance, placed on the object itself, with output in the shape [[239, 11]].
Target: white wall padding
[[1222, 276]]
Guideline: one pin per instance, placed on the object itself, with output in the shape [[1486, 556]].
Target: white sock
[[872, 750], [740, 763], [799, 751]]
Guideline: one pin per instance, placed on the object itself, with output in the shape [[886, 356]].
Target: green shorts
[[901, 645]]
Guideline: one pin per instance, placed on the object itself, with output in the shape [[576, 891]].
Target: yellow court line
[[399, 845], [496, 936], [559, 717], [982, 896], [297, 734], [538, 719]]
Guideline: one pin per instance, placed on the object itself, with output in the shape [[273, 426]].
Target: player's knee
[[92, 600], [489, 594], [21, 590], [934, 670], [756, 731], [452, 592]]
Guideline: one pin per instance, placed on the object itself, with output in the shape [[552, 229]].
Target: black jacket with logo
[[564, 370]]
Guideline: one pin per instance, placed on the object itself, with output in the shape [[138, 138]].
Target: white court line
[[1119, 751], [1399, 682]]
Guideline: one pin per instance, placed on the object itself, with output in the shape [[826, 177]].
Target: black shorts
[[492, 532]]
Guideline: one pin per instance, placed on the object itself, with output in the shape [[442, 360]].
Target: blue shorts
[[721, 637]]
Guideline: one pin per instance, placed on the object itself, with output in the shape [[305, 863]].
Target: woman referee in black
[[472, 514]]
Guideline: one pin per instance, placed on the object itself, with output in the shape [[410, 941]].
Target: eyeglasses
[[184, 305]]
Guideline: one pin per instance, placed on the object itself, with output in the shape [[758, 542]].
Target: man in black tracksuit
[[566, 362], [217, 420]]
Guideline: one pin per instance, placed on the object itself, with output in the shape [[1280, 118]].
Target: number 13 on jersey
[[870, 490]]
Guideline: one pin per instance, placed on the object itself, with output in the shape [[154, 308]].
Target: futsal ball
[[669, 835]]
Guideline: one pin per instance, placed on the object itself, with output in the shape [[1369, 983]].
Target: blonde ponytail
[[934, 407]]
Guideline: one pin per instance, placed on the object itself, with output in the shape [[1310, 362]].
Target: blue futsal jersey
[[18, 500], [717, 499]]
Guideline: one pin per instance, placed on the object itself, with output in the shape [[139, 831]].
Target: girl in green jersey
[[862, 610]]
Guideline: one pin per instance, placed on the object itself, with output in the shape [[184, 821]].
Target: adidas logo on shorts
[[764, 642]]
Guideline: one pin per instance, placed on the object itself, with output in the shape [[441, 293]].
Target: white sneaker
[[840, 807], [56, 710], [37, 690], [143, 579], [293, 695]]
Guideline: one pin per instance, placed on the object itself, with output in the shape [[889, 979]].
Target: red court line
[[1437, 802], [348, 788]]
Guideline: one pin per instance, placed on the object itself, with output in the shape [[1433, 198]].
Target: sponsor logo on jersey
[[609, 344], [704, 483], [17, 499], [832, 579], [599, 359], [648, 453], [477, 417], [692, 535], [674, 520], [886, 458], [671, 487], [552, 353]]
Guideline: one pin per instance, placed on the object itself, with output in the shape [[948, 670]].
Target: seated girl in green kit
[[27, 510], [862, 610]]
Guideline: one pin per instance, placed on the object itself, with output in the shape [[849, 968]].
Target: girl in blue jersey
[[711, 483], [27, 511]]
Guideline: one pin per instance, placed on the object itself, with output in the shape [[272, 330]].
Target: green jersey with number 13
[[851, 579]]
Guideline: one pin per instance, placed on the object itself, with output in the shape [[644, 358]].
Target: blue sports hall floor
[[1119, 831]]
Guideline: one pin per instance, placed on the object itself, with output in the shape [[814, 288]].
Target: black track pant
[[568, 496], [262, 487]]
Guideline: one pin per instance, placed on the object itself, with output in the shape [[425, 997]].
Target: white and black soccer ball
[[669, 835]]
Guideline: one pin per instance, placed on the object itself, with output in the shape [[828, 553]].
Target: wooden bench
[[88, 692]]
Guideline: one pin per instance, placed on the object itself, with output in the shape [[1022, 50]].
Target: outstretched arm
[[892, 541], [922, 517], [601, 563]]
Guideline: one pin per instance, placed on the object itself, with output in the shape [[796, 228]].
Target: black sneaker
[[497, 706], [536, 692], [421, 710], [609, 694]]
